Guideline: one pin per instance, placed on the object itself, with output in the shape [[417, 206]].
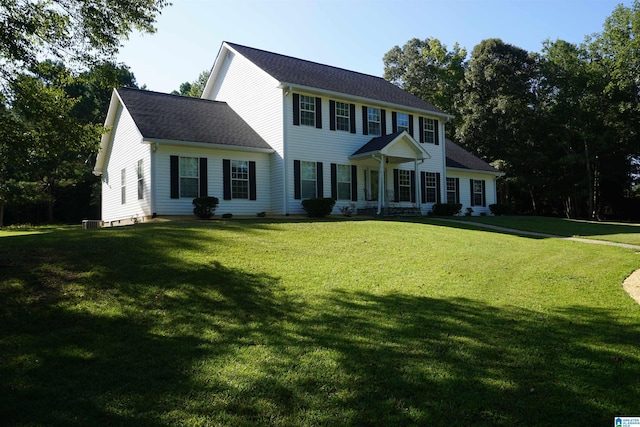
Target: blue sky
[[352, 34]]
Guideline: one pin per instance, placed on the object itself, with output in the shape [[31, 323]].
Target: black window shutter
[[383, 122], [421, 129], [226, 179], [204, 180], [252, 181], [365, 120], [471, 185], [438, 188], [319, 112], [413, 186], [319, 182], [174, 161], [334, 181], [296, 180], [394, 122], [352, 118], [437, 132], [354, 183], [296, 109], [396, 185], [457, 190], [484, 194], [332, 114], [423, 186], [411, 125]]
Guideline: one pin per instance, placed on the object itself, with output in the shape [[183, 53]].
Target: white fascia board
[[363, 100], [215, 70], [496, 174], [207, 145]]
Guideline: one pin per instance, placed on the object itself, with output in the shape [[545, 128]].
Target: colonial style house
[[271, 130]]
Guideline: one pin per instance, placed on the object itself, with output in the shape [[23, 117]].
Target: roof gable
[[388, 145], [180, 118], [294, 71]]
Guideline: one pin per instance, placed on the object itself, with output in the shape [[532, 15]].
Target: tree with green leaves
[[195, 88], [428, 70], [76, 30]]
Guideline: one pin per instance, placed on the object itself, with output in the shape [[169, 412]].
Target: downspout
[[285, 172], [152, 178]]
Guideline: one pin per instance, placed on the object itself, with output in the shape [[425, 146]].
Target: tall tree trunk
[[592, 196], [1, 214]]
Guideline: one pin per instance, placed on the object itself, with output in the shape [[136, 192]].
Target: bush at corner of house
[[204, 207], [318, 207], [501, 209], [446, 209]]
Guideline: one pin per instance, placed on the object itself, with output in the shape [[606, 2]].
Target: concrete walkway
[[545, 235]]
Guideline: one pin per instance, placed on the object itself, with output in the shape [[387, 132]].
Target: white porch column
[[380, 184], [417, 183]]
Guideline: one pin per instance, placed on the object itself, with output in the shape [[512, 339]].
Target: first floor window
[[403, 122], [307, 110], [477, 196], [431, 187], [123, 186], [404, 186], [344, 182], [374, 121], [140, 180], [308, 180], [452, 190], [429, 131], [239, 179], [189, 177]]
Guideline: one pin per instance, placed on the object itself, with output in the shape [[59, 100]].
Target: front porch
[[391, 212], [391, 191]]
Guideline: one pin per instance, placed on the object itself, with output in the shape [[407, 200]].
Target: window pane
[[429, 131], [307, 110], [189, 187], [189, 167], [342, 116], [374, 121], [308, 189], [403, 122], [344, 191], [404, 181], [308, 170], [240, 189], [344, 182]]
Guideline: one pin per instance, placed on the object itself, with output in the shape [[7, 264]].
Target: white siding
[[308, 143], [165, 205], [465, 189], [126, 150], [255, 96]]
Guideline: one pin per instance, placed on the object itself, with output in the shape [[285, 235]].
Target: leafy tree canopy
[[195, 88], [79, 30]]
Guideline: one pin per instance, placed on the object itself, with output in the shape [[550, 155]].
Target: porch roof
[[388, 145]]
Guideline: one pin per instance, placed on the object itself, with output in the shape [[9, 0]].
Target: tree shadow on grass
[[406, 360], [86, 342]]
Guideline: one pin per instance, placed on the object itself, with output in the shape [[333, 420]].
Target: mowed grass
[[314, 323], [619, 232]]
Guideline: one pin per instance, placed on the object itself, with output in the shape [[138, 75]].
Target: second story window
[[373, 115], [342, 116], [429, 131], [307, 110], [403, 122]]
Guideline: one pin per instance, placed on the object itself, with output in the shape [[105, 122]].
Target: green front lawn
[[314, 323], [611, 231]]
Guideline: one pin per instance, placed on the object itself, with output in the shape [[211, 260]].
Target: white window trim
[[236, 179], [311, 110]]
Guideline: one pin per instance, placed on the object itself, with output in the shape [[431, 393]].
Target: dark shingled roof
[[287, 69], [458, 157], [377, 143], [180, 118]]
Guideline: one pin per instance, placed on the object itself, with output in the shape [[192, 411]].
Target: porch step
[[391, 212]]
